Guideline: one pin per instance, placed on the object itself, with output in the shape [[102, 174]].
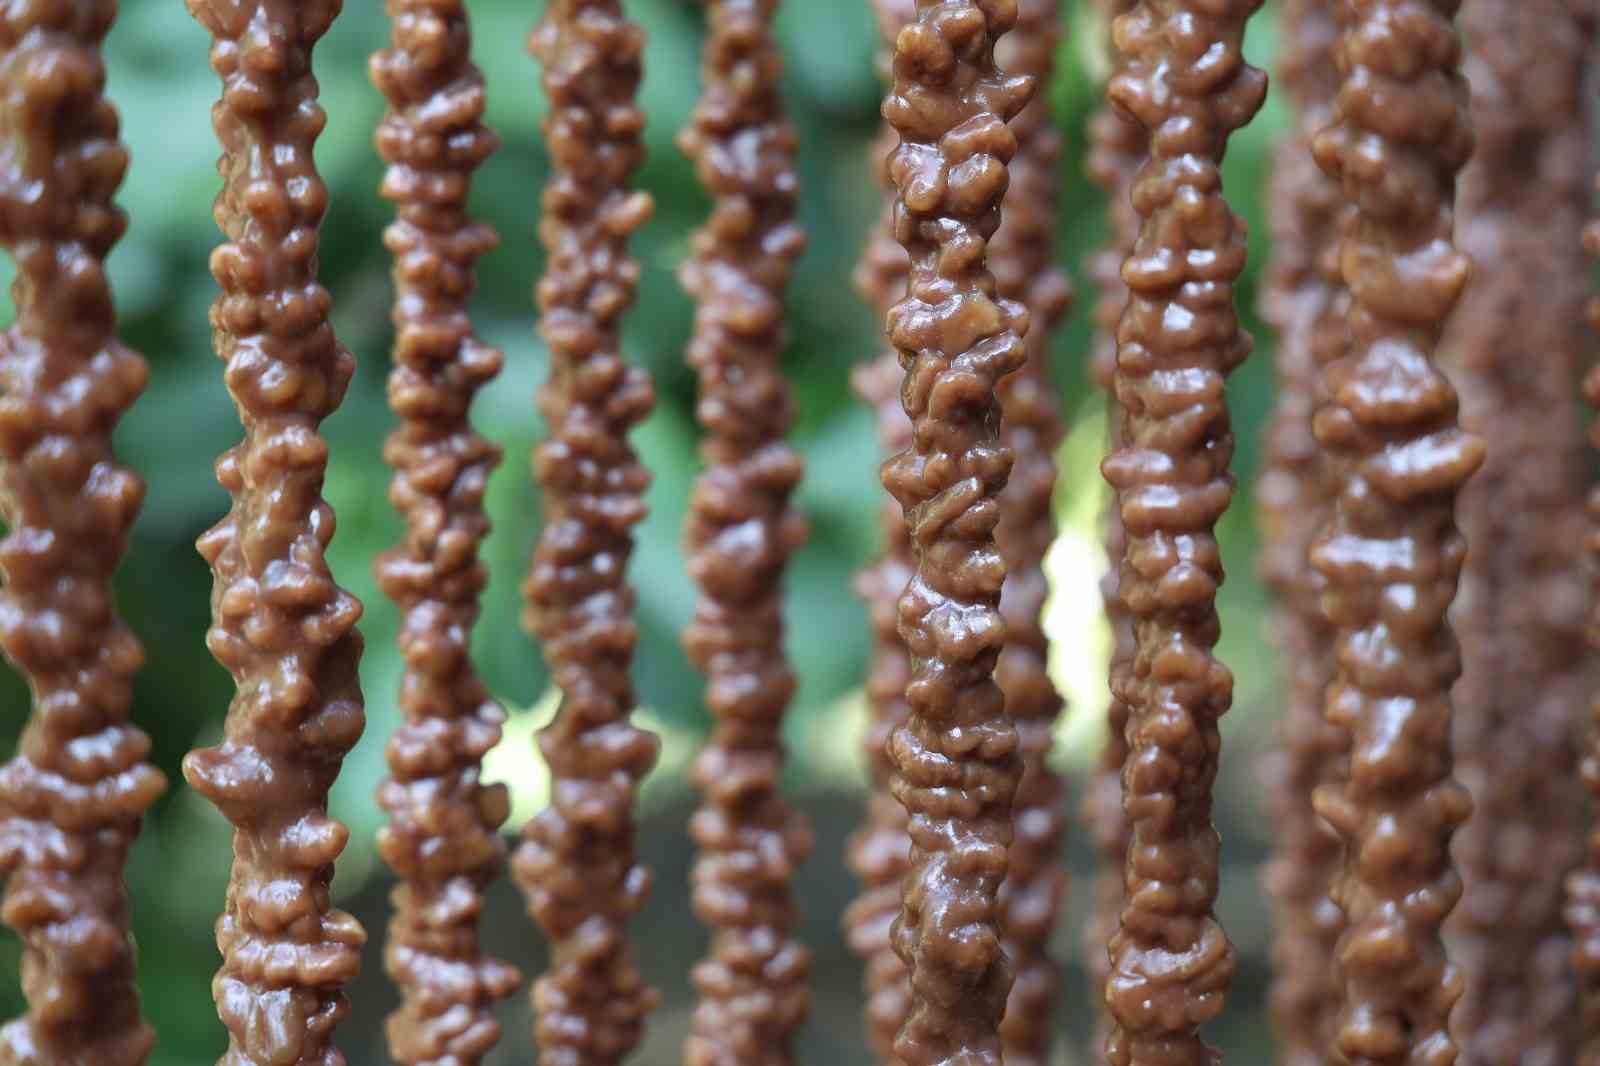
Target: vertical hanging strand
[[72, 799], [1185, 80], [576, 862], [740, 533], [1118, 146], [1515, 351], [1306, 304], [442, 840], [1583, 886], [956, 757], [1022, 256], [281, 626], [879, 853], [1391, 553]]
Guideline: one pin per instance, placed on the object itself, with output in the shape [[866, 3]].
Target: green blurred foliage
[[164, 89]]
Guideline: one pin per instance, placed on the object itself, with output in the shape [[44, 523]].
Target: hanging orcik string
[[576, 862], [1306, 303], [741, 531], [442, 839], [880, 850], [1185, 80], [72, 799], [1391, 554], [956, 760], [1515, 352], [281, 626], [1118, 147], [1022, 257]]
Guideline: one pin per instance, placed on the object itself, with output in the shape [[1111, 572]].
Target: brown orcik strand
[[1514, 348], [576, 863], [740, 533], [1391, 554], [956, 759], [1118, 147], [72, 799], [1184, 78], [1305, 303], [1583, 886], [281, 626], [1022, 258], [879, 853], [442, 840]]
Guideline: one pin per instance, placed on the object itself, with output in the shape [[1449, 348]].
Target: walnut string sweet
[[1022, 258], [1514, 349], [1184, 78], [1391, 553], [740, 533], [442, 840], [281, 626], [1583, 885], [576, 863], [879, 852], [1118, 146], [956, 758], [73, 797], [1305, 302]]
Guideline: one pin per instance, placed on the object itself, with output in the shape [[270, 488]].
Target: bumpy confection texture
[[576, 863], [1185, 80], [1514, 348], [1022, 258], [281, 626], [1583, 886], [72, 798], [1391, 553], [956, 759], [1305, 303], [1118, 146], [740, 533], [879, 851], [442, 840]]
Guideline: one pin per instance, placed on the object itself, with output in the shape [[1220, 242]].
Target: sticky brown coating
[[1514, 348], [740, 533], [576, 863], [281, 626], [72, 798], [1305, 302], [1391, 554], [879, 852], [1118, 147], [1185, 80], [442, 840], [1022, 257], [956, 759]]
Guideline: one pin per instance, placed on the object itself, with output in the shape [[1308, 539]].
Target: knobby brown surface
[[740, 533], [1514, 348], [956, 759], [281, 626], [576, 862], [1022, 256], [1391, 553], [442, 840], [879, 853], [1118, 147], [72, 798], [1305, 303], [1185, 80]]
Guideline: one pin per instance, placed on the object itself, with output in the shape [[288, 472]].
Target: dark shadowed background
[[160, 80]]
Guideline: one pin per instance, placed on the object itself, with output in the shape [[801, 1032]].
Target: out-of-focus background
[[160, 81]]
